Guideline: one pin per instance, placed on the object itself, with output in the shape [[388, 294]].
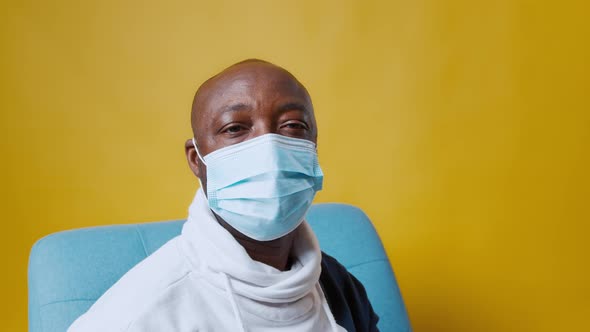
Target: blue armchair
[[70, 270]]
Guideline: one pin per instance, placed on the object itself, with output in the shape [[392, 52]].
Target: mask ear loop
[[201, 158], [198, 154]]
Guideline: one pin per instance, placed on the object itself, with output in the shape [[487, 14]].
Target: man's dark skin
[[247, 100]]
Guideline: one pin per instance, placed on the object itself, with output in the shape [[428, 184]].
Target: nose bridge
[[263, 126], [264, 120]]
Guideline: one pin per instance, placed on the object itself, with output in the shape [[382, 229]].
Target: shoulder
[[346, 297], [135, 290]]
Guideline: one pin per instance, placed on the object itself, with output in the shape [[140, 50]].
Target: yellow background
[[461, 127]]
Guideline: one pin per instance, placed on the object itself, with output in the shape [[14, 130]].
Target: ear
[[193, 159]]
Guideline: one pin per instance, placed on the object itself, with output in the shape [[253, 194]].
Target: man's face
[[246, 101]]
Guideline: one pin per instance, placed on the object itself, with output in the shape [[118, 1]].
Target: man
[[246, 260]]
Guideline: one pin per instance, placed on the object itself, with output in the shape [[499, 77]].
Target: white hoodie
[[203, 280]]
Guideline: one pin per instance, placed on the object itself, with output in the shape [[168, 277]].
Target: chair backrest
[[70, 270]]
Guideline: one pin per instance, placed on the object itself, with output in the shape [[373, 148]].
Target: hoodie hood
[[261, 297], [212, 250]]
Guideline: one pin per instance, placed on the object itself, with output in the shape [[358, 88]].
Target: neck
[[275, 253]]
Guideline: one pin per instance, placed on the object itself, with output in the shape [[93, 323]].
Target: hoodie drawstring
[[233, 302], [326, 307]]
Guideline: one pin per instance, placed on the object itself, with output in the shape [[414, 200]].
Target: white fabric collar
[[212, 250]]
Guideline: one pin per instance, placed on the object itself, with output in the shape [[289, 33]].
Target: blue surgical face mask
[[264, 186]]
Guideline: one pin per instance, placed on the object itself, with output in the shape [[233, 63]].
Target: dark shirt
[[346, 297]]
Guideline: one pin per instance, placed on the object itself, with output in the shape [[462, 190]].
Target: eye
[[233, 129], [295, 125]]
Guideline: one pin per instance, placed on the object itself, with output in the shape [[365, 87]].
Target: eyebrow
[[245, 107], [235, 107], [292, 107]]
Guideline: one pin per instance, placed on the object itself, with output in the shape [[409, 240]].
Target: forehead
[[253, 83]]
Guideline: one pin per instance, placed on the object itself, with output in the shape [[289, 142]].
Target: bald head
[[243, 81]]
